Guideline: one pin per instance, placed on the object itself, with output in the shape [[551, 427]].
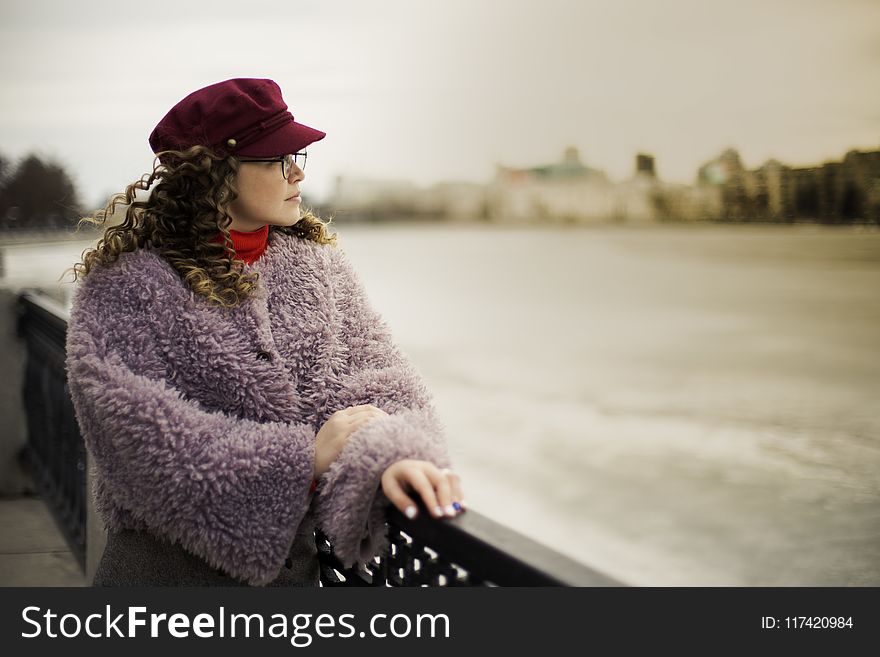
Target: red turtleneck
[[249, 246]]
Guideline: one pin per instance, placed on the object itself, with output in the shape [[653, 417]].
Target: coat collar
[[250, 245]]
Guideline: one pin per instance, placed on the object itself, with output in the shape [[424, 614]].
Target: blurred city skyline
[[446, 92]]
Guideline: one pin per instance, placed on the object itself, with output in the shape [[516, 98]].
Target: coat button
[[264, 355], [288, 563]]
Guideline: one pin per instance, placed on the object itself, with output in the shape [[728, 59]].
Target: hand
[[336, 431], [440, 489]]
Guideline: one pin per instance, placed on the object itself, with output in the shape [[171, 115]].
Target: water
[[670, 405]]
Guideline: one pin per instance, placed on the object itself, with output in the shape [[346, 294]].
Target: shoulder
[[133, 267], [301, 246], [300, 257], [137, 279]]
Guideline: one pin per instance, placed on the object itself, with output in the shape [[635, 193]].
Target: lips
[[295, 196]]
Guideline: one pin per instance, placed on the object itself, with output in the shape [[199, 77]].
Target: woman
[[231, 380]]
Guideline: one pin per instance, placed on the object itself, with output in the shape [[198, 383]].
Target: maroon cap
[[242, 116]]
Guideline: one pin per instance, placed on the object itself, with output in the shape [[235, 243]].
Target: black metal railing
[[469, 550], [55, 452]]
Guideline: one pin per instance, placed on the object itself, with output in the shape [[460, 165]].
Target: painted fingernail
[[438, 511], [410, 512], [456, 506], [450, 510]]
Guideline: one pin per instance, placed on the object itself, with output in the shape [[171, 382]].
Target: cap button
[[231, 143]]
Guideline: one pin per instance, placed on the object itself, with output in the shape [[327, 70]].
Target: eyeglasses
[[287, 162]]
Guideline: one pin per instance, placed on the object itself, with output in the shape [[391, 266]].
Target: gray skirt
[[139, 558]]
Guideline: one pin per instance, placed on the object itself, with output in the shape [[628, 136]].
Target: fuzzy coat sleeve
[[232, 491], [350, 505]]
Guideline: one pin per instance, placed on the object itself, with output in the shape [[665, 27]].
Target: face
[[264, 196]]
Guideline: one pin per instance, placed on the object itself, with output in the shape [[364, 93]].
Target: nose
[[296, 172]]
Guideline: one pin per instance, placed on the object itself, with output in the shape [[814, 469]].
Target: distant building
[[645, 165], [374, 199], [775, 190], [459, 200], [566, 191], [572, 192], [834, 192], [858, 187]]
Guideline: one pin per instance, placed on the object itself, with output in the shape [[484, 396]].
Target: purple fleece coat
[[201, 421]]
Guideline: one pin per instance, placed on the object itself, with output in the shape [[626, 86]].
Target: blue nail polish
[[456, 506]]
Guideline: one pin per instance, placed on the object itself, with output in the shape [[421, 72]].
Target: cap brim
[[289, 138]]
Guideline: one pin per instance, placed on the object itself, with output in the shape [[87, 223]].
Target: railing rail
[[55, 453], [469, 550]]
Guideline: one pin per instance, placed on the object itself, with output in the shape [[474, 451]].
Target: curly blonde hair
[[185, 209]]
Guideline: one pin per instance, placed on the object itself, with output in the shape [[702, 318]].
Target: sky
[[447, 90]]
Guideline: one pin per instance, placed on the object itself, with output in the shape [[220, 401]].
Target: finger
[[362, 420], [348, 410], [361, 407], [353, 427], [354, 410], [354, 415], [455, 483], [361, 416], [441, 485], [398, 497], [420, 483], [366, 412]]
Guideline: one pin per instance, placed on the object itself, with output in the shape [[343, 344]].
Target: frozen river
[[670, 405]]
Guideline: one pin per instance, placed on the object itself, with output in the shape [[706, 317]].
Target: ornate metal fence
[[56, 455], [469, 550]]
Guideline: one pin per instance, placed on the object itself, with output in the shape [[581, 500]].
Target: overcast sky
[[443, 90]]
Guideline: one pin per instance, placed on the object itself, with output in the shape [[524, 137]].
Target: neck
[[248, 245]]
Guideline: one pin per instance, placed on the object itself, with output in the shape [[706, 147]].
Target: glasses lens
[[288, 160]]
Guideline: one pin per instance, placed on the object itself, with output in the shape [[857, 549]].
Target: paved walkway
[[33, 551]]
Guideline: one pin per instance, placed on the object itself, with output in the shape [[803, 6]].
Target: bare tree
[[37, 195]]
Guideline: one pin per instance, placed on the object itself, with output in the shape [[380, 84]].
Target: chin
[[288, 221]]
